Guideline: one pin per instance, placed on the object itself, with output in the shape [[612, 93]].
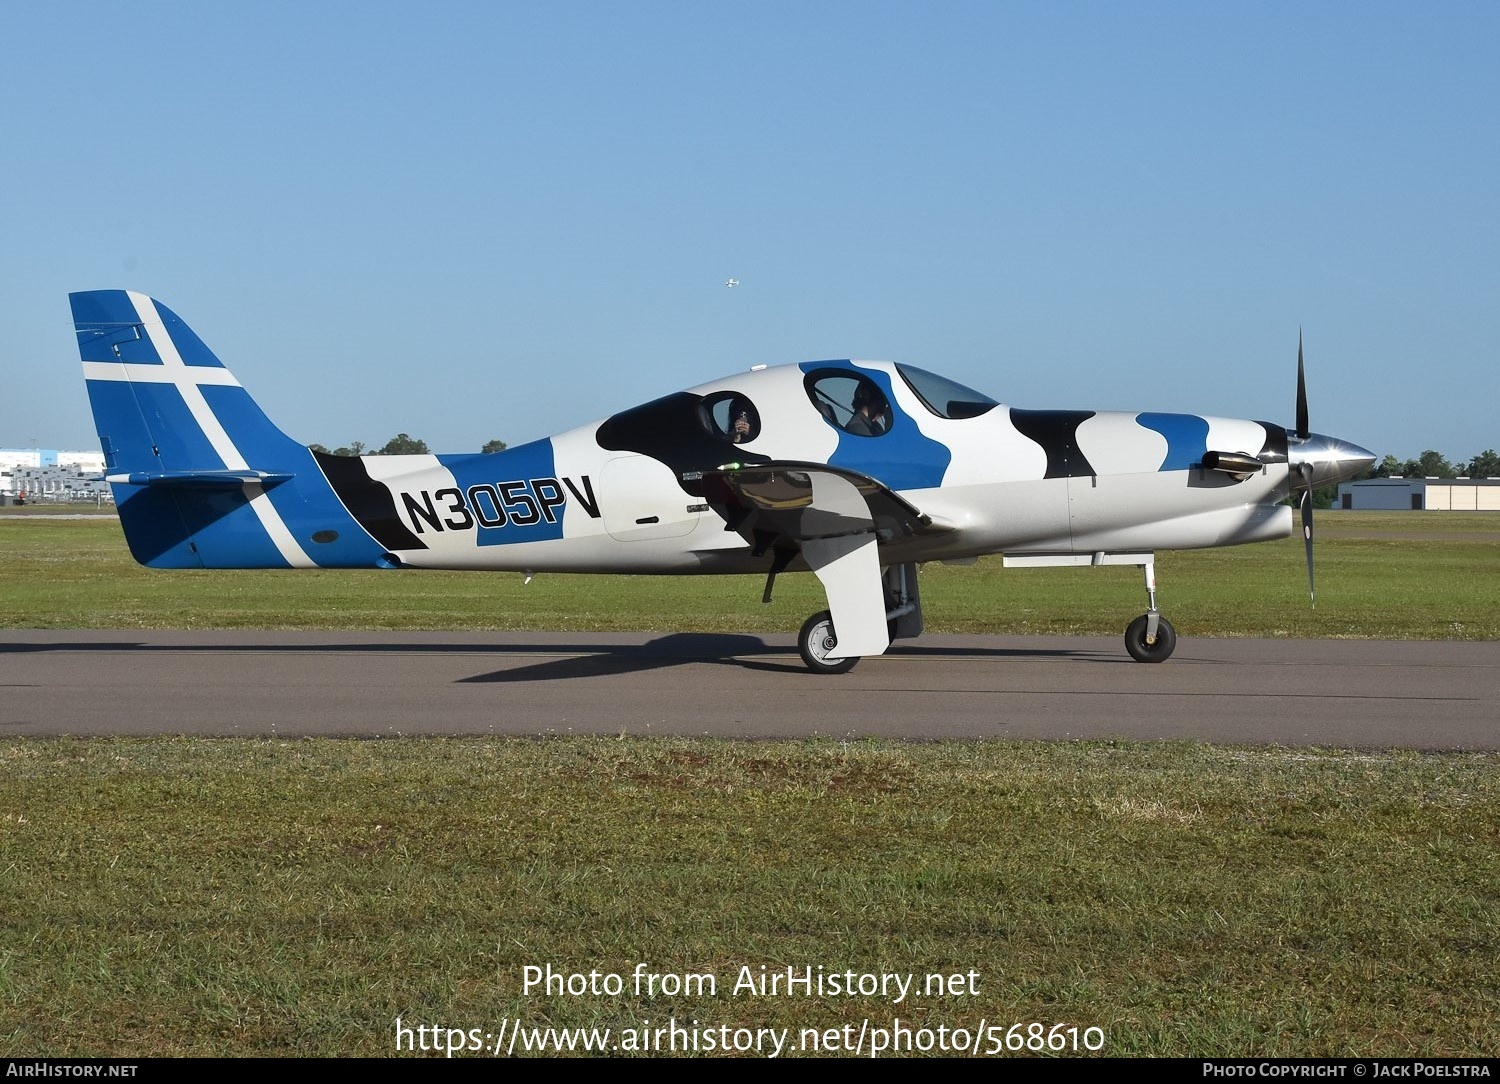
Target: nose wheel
[[816, 640], [1150, 637], [1146, 647]]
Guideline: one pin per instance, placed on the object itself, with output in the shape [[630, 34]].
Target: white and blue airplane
[[855, 470]]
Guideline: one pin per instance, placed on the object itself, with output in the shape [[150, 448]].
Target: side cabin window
[[730, 416], [850, 401]]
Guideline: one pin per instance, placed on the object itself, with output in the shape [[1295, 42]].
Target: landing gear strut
[[903, 620], [1150, 637]]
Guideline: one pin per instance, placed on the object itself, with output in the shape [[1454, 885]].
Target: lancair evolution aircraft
[[856, 470]]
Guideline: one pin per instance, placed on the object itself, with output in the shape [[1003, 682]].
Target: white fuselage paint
[[992, 497]]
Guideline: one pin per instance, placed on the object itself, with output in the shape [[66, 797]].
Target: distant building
[[45, 474], [1438, 494], [47, 457]]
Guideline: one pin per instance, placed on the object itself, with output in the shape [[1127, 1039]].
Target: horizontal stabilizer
[[201, 479]]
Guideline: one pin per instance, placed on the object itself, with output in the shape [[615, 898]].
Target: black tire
[[1160, 651], [814, 642]]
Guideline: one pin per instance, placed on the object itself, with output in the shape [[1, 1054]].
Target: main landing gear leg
[[903, 616], [1150, 637]]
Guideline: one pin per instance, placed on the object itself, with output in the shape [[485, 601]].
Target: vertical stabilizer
[[202, 478]]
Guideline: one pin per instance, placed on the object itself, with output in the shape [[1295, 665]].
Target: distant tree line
[[1431, 464], [400, 444]]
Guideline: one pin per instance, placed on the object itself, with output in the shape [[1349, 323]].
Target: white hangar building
[[1437, 494]]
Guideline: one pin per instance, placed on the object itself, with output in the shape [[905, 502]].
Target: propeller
[[1305, 471], [1307, 530], [1313, 460], [1302, 433]]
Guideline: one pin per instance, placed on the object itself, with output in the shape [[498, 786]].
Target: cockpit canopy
[[945, 398], [849, 400], [852, 399], [731, 416]]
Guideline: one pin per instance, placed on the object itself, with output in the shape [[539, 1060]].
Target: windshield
[[945, 398]]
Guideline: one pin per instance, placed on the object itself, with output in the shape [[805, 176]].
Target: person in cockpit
[[741, 428], [872, 413]]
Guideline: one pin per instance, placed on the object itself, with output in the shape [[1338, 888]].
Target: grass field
[[1398, 575], [273, 898], [233, 897]]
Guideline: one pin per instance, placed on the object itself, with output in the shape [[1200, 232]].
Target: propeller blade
[[1307, 530], [1302, 429]]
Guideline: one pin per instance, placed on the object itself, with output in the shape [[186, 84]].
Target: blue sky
[[469, 221]]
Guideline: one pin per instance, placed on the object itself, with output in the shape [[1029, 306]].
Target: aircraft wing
[[836, 518], [784, 497]]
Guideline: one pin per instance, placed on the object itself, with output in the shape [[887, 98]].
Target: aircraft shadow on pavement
[[684, 648], [605, 660], [585, 658]]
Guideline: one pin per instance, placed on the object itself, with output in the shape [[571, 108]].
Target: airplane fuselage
[[612, 496]]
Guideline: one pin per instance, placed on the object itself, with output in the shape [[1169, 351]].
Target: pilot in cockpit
[[872, 413]]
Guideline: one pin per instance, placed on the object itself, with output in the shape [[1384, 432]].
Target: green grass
[[225, 897], [237, 897], [1381, 575]]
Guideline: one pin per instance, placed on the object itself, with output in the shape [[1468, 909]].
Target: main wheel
[[1140, 650], [816, 640]]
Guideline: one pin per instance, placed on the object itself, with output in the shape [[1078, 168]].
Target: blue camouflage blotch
[[524, 464], [1187, 438], [903, 457]]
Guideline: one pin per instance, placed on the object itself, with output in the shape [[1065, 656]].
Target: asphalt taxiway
[[1338, 693]]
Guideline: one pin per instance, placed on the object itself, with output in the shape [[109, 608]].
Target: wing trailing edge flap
[[838, 518]]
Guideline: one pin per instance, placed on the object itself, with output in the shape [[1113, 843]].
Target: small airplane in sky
[[855, 470], [732, 283]]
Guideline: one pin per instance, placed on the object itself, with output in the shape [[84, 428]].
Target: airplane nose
[[1330, 459]]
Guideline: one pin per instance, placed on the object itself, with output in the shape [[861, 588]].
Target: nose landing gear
[[1150, 637]]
